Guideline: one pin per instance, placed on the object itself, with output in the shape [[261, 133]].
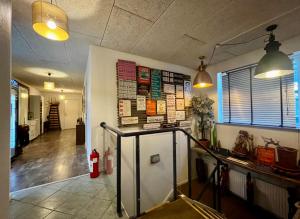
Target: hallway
[[51, 157]]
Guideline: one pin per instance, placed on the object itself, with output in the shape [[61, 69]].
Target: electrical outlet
[[154, 158]]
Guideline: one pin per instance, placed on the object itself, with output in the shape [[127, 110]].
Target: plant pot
[[287, 157], [204, 142]]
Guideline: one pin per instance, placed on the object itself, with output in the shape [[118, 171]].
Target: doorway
[[52, 154]]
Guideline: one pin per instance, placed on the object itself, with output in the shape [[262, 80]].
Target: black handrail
[[137, 134]]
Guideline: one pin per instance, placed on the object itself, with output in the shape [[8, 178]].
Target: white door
[[72, 112]]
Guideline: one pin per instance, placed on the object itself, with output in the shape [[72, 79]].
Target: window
[[244, 99]]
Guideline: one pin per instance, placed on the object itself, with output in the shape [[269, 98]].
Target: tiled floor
[[79, 197], [51, 157]]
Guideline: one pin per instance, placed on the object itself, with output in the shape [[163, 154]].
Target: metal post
[[174, 166], [137, 163], [119, 209], [218, 187], [189, 166], [214, 191]]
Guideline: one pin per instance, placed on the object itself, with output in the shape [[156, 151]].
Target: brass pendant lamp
[[202, 79], [274, 63], [49, 21]]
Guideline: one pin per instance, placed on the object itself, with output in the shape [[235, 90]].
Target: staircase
[[54, 121]]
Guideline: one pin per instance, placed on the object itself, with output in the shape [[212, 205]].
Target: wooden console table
[[265, 173]]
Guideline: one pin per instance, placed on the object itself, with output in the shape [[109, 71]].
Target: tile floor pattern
[[80, 197]]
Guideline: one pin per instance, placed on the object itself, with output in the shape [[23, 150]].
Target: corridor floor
[[78, 197], [51, 157]]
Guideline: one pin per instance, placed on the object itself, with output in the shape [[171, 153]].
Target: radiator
[[268, 196]]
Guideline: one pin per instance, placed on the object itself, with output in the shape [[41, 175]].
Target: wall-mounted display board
[[151, 97]]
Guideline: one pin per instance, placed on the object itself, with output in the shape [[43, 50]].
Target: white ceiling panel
[[180, 17], [87, 17], [46, 50], [176, 31], [124, 30], [148, 9]]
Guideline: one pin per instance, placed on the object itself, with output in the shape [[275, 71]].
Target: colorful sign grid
[[151, 97]]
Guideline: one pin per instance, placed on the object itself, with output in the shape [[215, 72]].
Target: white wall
[[5, 71], [63, 107], [101, 102]]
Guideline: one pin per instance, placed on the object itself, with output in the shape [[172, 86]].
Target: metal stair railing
[[137, 134]]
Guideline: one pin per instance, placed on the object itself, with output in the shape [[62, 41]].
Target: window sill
[[261, 126]]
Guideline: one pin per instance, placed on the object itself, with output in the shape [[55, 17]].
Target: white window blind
[[248, 100], [240, 96], [225, 92], [266, 101]]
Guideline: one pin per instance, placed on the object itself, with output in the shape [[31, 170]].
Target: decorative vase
[[287, 157]]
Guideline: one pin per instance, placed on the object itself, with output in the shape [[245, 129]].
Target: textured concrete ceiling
[[175, 31]]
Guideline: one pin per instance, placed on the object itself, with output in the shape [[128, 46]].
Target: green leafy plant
[[203, 111]]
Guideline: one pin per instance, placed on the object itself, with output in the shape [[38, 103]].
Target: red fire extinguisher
[[94, 162], [108, 161]]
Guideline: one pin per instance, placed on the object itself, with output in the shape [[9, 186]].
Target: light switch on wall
[[154, 158]]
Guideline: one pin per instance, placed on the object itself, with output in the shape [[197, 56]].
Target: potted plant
[[203, 111]]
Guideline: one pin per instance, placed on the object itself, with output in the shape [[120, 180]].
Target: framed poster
[[155, 84], [140, 103], [129, 120], [155, 119], [151, 126], [161, 107], [179, 91], [127, 89], [126, 70], [171, 101], [180, 115], [151, 107], [179, 104], [171, 110], [171, 115], [124, 108], [169, 88], [143, 75]]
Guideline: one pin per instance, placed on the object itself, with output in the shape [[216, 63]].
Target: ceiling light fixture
[[274, 63], [49, 85], [50, 21], [202, 79], [62, 96]]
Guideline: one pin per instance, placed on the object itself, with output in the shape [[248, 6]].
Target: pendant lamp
[[274, 63], [49, 85], [62, 96], [202, 79], [49, 21]]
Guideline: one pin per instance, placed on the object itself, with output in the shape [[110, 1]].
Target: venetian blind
[[225, 92], [240, 96], [248, 100]]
